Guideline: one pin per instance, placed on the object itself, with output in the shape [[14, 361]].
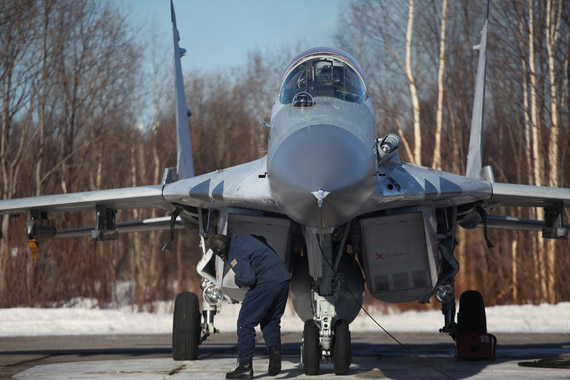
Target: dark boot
[[243, 371], [274, 360]]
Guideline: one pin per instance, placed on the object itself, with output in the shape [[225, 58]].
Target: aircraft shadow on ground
[[433, 361], [370, 361]]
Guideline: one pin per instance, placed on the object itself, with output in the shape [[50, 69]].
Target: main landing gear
[[472, 342], [191, 326], [186, 328], [470, 332]]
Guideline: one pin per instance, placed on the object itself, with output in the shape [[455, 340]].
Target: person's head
[[219, 244]]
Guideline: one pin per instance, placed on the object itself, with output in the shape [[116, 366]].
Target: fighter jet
[[332, 199]]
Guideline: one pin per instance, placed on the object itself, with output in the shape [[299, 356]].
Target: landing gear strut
[[470, 332]]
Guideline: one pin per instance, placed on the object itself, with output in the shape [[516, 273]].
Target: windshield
[[323, 75]]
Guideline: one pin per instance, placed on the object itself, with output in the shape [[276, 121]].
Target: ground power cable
[[409, 350]]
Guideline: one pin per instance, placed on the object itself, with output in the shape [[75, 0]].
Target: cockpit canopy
[[323, 72]]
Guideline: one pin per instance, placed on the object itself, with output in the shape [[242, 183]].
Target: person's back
[[265, 262]]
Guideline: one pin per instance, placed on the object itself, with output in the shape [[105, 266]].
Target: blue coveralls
[[261, 269]]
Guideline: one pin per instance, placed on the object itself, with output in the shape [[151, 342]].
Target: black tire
[[471, 318], [311, 348], [186, 327], [341, 348]]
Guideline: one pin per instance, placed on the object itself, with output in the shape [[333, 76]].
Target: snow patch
[[82, 317]]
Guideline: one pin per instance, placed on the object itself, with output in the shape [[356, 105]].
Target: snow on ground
[[84, 318]]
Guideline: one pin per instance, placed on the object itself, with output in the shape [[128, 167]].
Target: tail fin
[[474, 160], [185, 164]]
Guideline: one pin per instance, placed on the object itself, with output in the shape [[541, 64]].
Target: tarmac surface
[[375, 356]]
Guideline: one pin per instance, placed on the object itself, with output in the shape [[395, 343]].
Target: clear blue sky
[[219, 33]]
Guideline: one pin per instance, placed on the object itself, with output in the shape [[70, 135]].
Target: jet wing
[[505, 194], [124, 198], [402, 184], [242, 186], [554, 200], [406, 185]]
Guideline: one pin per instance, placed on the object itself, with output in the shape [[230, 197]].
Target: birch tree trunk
[[535, 127], [413, 87], [440, 74], [139, 259], [553, 12], [526, 111], [42, 101], [552, 32], [536, 141]]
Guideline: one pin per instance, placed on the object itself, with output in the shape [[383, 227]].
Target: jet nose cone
[[322, 165]]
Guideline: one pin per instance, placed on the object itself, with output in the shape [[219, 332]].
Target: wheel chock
[[470, 346]]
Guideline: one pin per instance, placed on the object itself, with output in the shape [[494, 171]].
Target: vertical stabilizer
[[476, 138], [184, 165]]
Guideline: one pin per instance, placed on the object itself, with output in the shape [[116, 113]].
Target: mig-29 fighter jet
[[327, 183]]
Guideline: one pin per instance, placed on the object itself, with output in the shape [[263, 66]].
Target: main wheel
[[341, 348], [471, 317], [186, 327], [311, 348]]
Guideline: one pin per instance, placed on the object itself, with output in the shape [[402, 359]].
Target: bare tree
[[413, 87], [440, 90], [553, 17], [17, 87]]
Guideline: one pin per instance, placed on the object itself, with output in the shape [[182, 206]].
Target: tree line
[[73, 85], [420, 63]]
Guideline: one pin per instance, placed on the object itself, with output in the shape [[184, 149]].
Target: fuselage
[[321, 156]]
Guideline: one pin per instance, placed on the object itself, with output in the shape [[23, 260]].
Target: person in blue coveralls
[[259, 268]]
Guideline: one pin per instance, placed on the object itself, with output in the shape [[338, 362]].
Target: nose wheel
[[342, 353], [311, 348]]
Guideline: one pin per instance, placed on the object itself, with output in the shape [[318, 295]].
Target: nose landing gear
[[311, 353], [311, 350], [326, 333], [342, 351]]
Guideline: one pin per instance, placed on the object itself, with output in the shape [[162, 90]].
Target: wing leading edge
[[124, 198], [505, 194]]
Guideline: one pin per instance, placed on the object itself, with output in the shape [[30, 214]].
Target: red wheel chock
[[471, 346]]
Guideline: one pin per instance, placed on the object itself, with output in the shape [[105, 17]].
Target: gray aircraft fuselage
[[327, 147]]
